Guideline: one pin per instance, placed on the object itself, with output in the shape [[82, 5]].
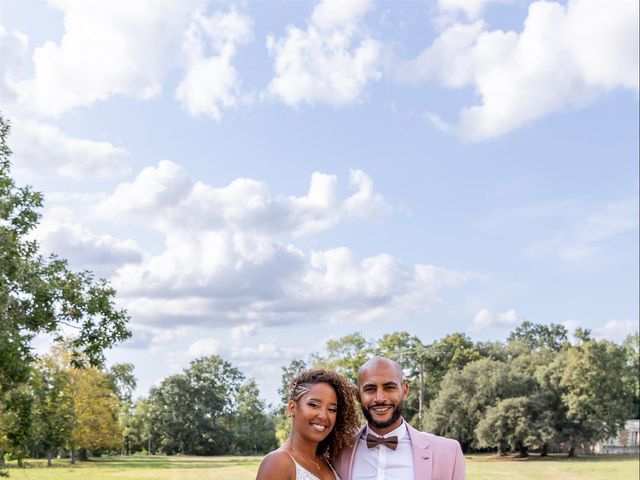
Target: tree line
[[536, 391]]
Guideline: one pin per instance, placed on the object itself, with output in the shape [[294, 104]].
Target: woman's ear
[[291, 409]]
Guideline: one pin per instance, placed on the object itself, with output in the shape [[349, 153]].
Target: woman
[[323, 418]]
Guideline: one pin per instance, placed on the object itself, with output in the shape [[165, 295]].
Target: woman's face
[[314, 414]]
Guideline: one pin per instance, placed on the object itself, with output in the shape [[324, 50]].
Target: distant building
[[627, 440]]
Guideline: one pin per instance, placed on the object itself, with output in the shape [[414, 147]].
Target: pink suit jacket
[[434, 458]]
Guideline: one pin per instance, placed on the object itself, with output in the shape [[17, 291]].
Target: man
[[387, 448]]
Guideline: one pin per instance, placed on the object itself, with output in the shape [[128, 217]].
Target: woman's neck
[[302, 446]]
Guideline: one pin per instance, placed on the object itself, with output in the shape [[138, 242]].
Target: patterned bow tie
[[373, 441]]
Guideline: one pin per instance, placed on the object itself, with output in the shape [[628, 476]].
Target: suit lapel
[[422, 454], [356, 440]]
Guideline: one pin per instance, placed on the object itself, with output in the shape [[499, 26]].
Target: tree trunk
[[545, 450], [522, 451], [73, 456], [49, 458], [82, 455], [572, 451]]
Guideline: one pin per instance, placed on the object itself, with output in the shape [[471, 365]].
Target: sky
[[258, 177]]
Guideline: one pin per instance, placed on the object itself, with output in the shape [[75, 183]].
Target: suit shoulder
[[437, 441]]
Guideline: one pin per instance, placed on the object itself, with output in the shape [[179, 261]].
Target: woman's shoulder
[[277, 465]]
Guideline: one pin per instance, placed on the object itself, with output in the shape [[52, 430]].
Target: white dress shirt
[[382, 463]]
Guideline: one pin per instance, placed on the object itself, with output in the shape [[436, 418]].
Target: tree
[[506, 424], [253, 431], [95, 407], [192, 413], [466, 395], [535, 336], [345, 355], [631, 347], [53, 407], [41, 295], [594, 392]]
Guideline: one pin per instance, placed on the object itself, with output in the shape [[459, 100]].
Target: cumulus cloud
[[84, 249], [211, 81], [485, 319], [107, 48], [228, 260], [566, 56], [42, 149], [173, 201], [331, 61], [14, 47], [582, 239]]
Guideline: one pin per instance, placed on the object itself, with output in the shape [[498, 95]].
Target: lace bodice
[[304, 474]]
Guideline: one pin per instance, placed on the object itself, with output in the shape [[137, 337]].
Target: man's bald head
[[377, 363]]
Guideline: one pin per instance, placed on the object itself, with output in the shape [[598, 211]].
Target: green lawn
[[479, 467]]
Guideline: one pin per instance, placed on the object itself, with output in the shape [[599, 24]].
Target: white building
[[627, 440]]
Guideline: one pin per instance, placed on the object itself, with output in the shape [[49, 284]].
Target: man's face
[[381, 392]]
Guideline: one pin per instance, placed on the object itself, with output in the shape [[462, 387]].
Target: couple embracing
[[326, 442]]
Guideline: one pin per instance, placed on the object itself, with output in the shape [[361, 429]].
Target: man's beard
[[397, 413]]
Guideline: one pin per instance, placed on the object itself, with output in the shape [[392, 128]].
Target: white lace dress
[[304, 474]]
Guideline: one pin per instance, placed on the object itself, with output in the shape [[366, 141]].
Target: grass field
[[479, 467]]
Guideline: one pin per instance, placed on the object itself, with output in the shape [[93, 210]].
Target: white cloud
[[84, 249], [330, 62], [584, 237], [42, 149], [14, 47], [616, 330], [227, 260], [565, 57], [173, 201], [211, 82], [243, 332], [485, 319], [473, 9], [107, 48]]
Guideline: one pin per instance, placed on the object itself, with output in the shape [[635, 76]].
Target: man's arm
[[459, 471]]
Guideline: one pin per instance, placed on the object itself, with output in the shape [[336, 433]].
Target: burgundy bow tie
[[373, 441]]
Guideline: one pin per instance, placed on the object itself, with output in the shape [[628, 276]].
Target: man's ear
[[405, 389]]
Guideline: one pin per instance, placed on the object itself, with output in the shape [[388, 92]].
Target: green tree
[[631, 346], [41, 295], [253, 430], [345, 355], [53, 407], [594, 392], [537, 336], [506, 424], [192, 413], [466, 395]]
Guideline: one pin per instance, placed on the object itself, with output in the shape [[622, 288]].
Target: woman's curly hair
[[347, 421]]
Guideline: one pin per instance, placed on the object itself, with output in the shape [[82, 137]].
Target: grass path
[[479, 467]]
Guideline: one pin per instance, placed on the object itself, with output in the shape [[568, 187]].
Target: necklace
[[298, 453]]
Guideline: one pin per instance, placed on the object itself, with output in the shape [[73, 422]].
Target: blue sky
[[258, 177]]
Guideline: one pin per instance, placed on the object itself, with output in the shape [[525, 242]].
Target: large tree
[[42, 295]]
